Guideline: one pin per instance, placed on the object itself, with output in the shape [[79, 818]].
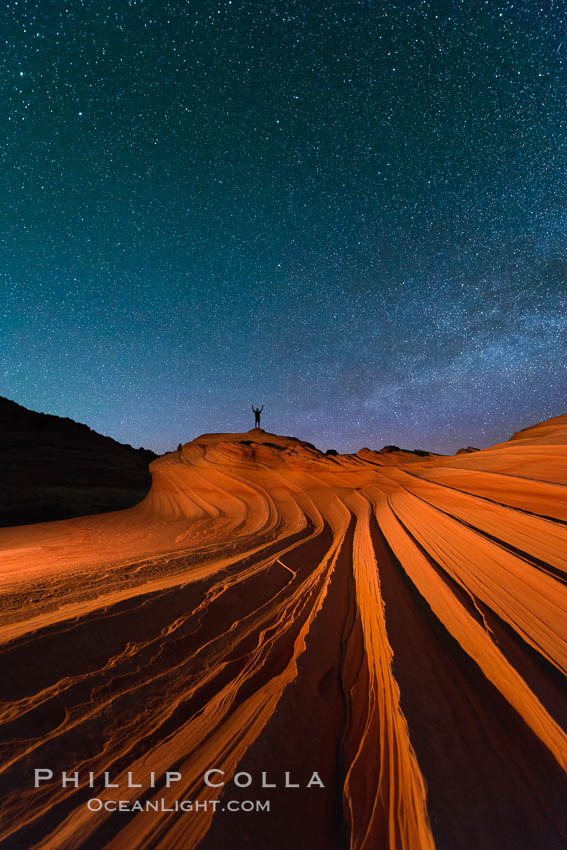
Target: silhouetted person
[[257, 411]]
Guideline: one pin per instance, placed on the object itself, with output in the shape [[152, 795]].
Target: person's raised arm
[[261, 409]]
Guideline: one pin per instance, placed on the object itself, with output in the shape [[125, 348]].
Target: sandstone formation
[[396, 623]]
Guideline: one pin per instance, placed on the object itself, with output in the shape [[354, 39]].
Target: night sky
[[353, 213]]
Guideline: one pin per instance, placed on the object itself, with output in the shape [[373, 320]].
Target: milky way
[[350, 212]]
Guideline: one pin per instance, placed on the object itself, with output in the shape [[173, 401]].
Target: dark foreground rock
[[54, 468]]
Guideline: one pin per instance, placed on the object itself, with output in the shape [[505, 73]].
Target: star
[[356, 215]]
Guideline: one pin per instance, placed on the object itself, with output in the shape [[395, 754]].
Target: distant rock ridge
[[419, 452], [53, 468]]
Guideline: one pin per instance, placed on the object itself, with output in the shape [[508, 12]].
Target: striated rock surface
[[54, 468], [395, 622]]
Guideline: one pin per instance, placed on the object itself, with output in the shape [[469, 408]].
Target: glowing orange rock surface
[[395, 623]]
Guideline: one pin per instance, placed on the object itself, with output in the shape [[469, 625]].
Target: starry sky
[[353, 213]]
